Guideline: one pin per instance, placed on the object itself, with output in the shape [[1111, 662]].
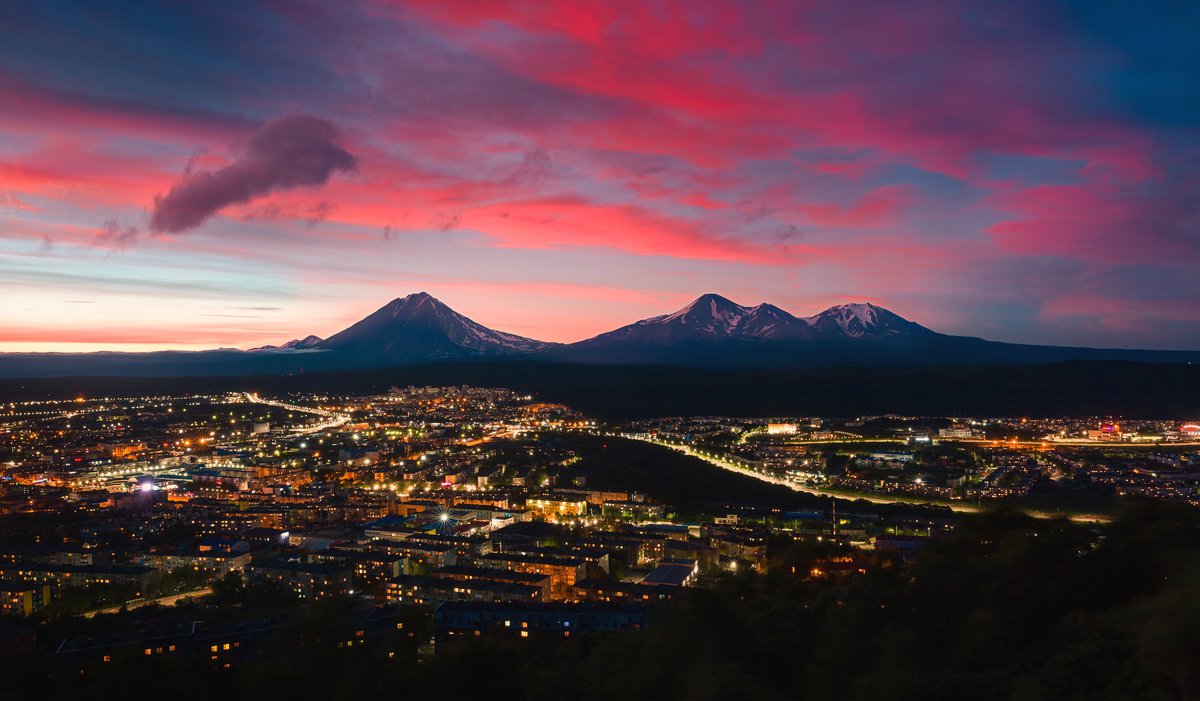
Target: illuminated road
[[845, 494], [162, 600], [835, 441], [996, 443], [334, 420], [493, 436], [794, 486]]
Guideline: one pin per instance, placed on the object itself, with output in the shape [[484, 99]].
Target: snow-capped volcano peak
[[862, 319], [712, 317], [709, 312], [411, 303], [420, 325], [419, 328]]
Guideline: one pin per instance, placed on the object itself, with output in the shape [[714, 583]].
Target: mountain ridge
[[711, 331], [308, 342], [420, 324]]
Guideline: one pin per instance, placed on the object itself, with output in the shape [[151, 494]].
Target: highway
[[725, 464], [334, 420], [996, 443]]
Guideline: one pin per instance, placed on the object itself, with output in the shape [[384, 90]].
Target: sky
[[200, 174]]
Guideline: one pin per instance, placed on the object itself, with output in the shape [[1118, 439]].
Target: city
[[203, 527]]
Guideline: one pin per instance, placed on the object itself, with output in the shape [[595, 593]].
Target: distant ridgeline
[[711, 332]]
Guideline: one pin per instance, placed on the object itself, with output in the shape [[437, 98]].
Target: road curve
[[842, 494]]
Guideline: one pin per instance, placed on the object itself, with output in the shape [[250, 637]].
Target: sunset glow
[[202, 175]]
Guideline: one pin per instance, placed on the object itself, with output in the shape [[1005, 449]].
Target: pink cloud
[[1099, 222], [877, 207], [818, 149]]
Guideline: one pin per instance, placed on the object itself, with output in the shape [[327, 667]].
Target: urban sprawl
[[443, 512]]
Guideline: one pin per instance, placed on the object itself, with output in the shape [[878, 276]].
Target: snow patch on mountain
[[860, 320], [307, 343], [712, 318]]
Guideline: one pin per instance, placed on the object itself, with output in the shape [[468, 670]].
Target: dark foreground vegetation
[[618, 392], [1007, 607]]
